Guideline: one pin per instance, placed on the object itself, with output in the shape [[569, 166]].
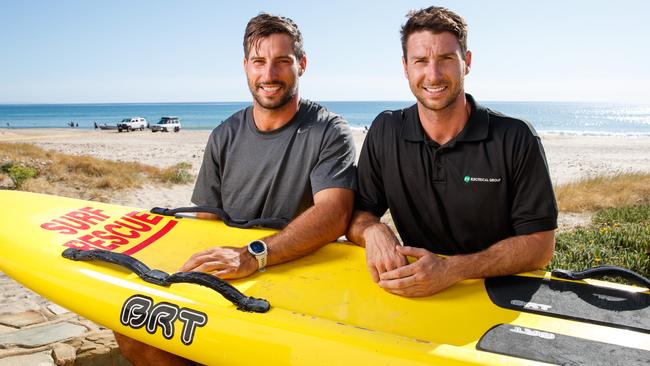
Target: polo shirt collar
[[476, 128]]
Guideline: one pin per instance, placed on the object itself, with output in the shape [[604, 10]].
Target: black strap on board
[[273, 223], [160, 278], [601, 271], [579, 301]]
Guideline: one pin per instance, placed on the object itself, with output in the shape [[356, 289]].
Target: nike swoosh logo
[[302, 130]]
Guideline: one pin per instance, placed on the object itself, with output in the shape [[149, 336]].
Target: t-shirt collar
[[476, 128], [250, 121]]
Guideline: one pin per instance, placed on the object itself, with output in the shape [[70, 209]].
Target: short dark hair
[[263, 25], [437, 20]]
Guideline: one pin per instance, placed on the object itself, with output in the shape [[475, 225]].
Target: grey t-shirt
[[252, 174]]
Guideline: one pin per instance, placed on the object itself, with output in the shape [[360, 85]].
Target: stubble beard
[[285, 98], [444, 104]]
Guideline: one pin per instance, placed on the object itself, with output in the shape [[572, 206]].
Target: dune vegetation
[[619, 233], [604, 192], [31, 168]]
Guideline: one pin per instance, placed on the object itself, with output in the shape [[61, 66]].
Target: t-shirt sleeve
[[371, 196], [534, 208], [207, 189], [335, 167]]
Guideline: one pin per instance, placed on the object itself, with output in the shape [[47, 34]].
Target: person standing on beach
[[283, 158], [459, 179]]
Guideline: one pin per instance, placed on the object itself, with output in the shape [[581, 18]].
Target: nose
[[270, 72], [433, 70]]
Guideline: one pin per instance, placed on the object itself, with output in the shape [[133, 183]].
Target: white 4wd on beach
[[130, 124], [167, 124]]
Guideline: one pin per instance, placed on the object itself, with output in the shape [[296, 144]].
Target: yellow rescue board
[[325, 309]]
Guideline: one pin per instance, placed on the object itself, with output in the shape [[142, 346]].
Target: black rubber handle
[[243, 302], [160, 278], [147, 274], [273, 223], [600, 271]]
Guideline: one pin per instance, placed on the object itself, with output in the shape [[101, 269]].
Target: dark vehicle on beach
[[131, 124], [107, 127], [167, 124]]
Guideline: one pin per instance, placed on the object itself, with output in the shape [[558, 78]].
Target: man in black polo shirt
[[458, 178]]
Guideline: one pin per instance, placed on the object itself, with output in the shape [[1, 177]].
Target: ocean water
[[561, 117]]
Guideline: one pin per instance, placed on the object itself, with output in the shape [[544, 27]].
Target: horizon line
[[318, 101]]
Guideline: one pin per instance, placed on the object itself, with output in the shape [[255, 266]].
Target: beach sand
[[570, 157]]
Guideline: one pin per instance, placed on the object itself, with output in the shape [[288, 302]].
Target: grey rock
[[19, 320], [42, 335], [34, 359], [104, 337], [57, 310], [64, 354]]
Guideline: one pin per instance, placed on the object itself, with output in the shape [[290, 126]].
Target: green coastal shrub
[[631, 214], [19, 174], [4, 167], [617, 236], [177, 174]]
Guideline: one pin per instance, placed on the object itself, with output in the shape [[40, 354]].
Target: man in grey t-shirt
[[281, 158], [253, 174]]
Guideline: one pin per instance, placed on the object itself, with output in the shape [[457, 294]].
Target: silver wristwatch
[[259, 250]]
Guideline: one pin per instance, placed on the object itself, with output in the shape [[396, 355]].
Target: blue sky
[[185, 51]]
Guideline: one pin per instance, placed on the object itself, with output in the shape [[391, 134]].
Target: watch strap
[[260, 257]]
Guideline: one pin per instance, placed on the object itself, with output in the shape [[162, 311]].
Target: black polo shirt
[[488, 183]]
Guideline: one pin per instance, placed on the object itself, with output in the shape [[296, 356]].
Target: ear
[[302, 65], [406, 72], [468, 61]]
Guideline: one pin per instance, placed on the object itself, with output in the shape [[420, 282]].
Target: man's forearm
[[207, 216], [361, 220], [512, 255], [320, 224], [430, 274]]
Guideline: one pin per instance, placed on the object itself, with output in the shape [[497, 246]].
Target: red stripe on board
[[170, 225]]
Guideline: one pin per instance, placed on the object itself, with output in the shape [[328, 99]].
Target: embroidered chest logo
[[467, 179], [303, 129]]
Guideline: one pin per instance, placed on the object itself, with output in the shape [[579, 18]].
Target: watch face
[[256, 247]]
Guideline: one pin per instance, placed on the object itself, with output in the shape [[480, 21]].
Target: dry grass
[[604, 192], [83, 176]]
